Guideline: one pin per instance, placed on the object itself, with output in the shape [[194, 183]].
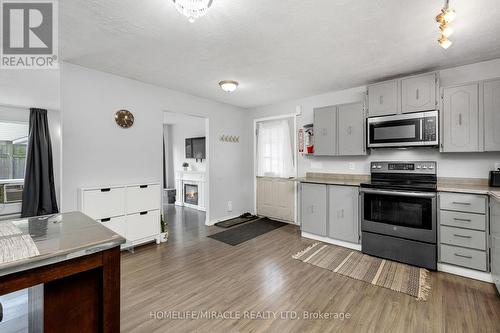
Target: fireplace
[[191, 194]]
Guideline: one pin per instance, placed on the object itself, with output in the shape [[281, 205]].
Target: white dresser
[[132, 211]]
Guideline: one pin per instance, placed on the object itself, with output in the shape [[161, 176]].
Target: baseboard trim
[[212, 222], [328, 240], [465, 272]]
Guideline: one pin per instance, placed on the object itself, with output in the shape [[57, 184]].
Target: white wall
[[474, 165], [97, 152]]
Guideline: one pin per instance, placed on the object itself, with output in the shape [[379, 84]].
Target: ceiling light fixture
[[192, 9], [444, 18], [228, 85]]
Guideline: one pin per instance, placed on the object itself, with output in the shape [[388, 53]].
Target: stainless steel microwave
[[404, 130]]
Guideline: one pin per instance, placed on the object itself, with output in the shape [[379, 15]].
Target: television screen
[[195, 148]]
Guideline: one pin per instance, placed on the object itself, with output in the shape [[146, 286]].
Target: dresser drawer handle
[[462, 256], [462, 220], [462, 236], [461, 203]]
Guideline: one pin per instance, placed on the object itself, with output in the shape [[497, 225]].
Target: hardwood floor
[[195, 273]]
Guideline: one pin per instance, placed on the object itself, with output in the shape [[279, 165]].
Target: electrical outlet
[[352, 166], [229, 206]]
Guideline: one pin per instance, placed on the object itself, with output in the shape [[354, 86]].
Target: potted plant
[[185, 166], [164, 231]]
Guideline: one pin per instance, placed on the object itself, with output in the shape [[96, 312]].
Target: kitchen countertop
[[56, 238], [334, 179], [457, 185]]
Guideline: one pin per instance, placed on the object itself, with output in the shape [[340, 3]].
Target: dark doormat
[[248, 231], [237, 220]]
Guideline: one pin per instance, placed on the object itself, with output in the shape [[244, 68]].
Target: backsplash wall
[[468, 165]]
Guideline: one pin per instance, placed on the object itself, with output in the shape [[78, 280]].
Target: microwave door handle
[[421, 129]]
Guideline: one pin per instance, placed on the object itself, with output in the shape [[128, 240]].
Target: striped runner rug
[[388, 274]]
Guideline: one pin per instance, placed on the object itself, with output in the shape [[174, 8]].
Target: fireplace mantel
[[190, 178]]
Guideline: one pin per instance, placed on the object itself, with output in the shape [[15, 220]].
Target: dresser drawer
[[142, 198], [142, 225], [116, 224], [463, 220], [463, 237], [463, 202], [104, 203], [463, 257]]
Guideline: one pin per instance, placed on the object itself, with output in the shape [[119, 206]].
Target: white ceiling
[[277, 50]]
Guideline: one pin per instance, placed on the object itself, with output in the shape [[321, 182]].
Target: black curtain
[[39, 195]]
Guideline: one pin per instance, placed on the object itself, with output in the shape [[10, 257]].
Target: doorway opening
[[185, 170]]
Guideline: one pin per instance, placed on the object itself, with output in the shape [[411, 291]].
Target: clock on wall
[[124, 118]]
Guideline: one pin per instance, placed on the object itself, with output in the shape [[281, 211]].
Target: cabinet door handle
[[143, 186], [461, 203], [381, 99], [462, 220], [106, 219], [462, 256], [460, 119], [143, 213], [417, 94], [342, 214], [462, 236], [105, 189], [349, 130]]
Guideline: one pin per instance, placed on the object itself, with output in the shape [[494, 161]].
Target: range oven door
[[409, 215], [406, 130]]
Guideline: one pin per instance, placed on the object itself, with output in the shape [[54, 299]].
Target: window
[[274, 149], [13, 149]]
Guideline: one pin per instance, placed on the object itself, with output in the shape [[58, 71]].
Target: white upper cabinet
[[492, 115], [383, 98], [460, 119], [418, 93]]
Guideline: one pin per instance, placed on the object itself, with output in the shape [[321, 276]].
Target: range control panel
[[404, 167]]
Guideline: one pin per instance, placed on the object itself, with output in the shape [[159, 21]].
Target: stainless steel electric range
[[399, 212]]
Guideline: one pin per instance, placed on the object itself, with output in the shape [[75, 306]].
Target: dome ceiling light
[[228, 85], [192, 9]]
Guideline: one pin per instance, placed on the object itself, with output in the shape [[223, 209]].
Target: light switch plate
[[497, 166], [352, 166]]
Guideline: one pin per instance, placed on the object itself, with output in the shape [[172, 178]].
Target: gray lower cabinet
[[463, 230], [492, 115], [325, 136], [343, 213], [351, 130], [495, 241], [460, 119], [330, 211], [313, 208]]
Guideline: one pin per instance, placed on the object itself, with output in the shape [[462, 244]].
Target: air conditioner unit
[[10, 193]]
